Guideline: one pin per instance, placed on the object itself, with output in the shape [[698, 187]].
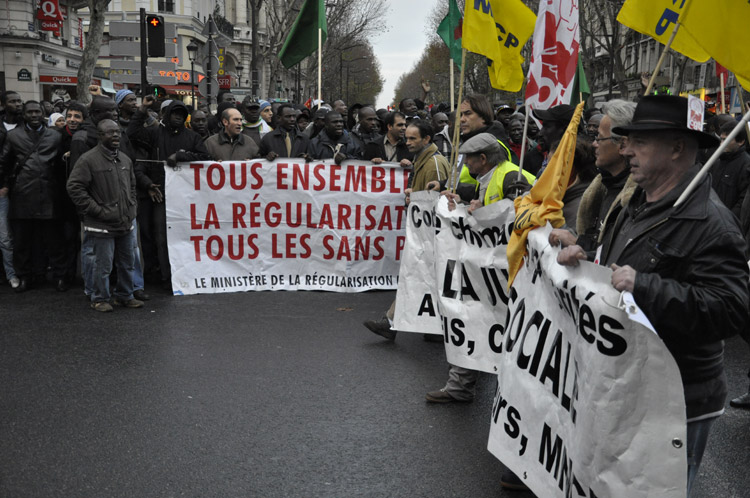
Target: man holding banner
[[684, 264], [496, 177]]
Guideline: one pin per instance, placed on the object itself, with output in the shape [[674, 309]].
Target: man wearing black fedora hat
[[685, 265]]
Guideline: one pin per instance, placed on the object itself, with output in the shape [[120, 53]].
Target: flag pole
[[457, 124], [742, 108], [450, 62], [704, 170], [662, 57], [523, 141], [721, 82], [320, 63]]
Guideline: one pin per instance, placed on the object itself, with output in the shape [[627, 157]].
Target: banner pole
[[662, 57], [742, 108], [320, 63], [453, 102], [721, 83], [457, 123], [704, 170], [523, 140]]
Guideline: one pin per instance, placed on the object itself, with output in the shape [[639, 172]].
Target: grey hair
[[620, 113], [494, 155]]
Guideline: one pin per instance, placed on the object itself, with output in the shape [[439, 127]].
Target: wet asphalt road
[[254, 395]]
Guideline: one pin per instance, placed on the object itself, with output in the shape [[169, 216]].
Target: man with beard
[[102, 186], [29, 162], [286, 140], [127, 104], [75, 115], [332, 143], [392, 147]]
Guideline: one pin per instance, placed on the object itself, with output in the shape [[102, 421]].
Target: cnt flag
[[303, 37], [554, 54], [449, 31], [544, 202], [498, 29]]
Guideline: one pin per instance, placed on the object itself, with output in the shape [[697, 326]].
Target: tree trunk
[[97, 9]]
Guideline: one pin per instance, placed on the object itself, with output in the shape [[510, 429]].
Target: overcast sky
[[400, 47]]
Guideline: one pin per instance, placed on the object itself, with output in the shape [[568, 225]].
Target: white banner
[[588, 403], [472, 280], [417, 300], [285, 225]]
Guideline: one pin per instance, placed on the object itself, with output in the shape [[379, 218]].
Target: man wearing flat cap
[[684, 264], [496, 176]]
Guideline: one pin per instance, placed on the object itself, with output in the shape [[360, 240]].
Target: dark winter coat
[[162, 141], [34, 183], [691, 281], [102, 186], [730, 178], [274, 142], [323, 147]]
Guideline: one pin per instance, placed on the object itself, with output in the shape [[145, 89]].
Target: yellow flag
[[727, 37], [513, 30], [544, 202], [500, 38], [657, 19], [478, 30]]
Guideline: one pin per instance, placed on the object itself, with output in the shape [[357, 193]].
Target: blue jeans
[[697, 437], [87, 263], [6, 243], [105, 252]]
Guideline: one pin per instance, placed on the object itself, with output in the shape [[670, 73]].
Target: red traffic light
[[154, 21]]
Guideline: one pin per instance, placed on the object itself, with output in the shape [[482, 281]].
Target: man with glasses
[[610, 190]]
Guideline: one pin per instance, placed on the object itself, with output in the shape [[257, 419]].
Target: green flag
[[580, 85], [449, 31], [303, 38]]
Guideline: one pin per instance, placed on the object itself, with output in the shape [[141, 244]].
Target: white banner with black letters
[[588, 402]]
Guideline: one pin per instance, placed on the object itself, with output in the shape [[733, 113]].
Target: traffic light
[[155, 35]]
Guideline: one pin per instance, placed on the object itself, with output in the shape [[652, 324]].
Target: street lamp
[[239, 74], [192, 49]]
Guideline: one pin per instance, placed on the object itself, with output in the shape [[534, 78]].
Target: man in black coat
[[29, 161], [391, 147], [169, 142], [730, 176], [685, 265], [332, 142], [286, 140]]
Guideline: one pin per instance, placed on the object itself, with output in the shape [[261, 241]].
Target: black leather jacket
[[691, 281]]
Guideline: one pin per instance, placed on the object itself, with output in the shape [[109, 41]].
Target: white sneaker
[[15, 282]]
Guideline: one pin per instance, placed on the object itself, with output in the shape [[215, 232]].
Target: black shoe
[[61, 285], [23, 286], [141, 295], [509, 480], [381, 327], [741, 402], [443, 397]]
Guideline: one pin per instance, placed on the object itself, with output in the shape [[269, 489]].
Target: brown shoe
[[102, 306], [130, 303], [443, 397]]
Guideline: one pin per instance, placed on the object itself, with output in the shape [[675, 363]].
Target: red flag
[[308, 103], [554, 54], [722, 70]]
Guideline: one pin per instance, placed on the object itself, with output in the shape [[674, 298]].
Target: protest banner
[[417, 299], [588, 402], [285, 225], [472, 280]]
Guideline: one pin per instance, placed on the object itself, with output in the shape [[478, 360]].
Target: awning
[[181, 89]]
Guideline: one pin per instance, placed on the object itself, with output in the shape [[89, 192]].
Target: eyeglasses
[[604, 139]]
